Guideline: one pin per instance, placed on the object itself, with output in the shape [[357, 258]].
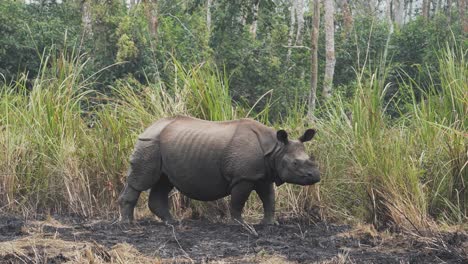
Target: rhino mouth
[[304, 180], [310, 178], [308, 181]]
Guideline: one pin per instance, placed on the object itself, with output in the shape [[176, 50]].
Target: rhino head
[[293, 165]]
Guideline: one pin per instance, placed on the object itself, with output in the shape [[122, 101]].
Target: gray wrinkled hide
[[201, 159], [210, 160]]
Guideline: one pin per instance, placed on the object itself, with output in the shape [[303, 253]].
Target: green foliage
[[28, 30], [429, 37]]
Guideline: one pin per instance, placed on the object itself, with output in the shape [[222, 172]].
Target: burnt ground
[[76, 240]]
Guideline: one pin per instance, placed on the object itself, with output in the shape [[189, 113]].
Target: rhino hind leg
[[127, 201], [158, 201]]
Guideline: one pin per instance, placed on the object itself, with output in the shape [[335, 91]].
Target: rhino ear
[[308, 135], [282, 136]]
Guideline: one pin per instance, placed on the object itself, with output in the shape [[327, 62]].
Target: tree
[[390, 31], [330, 48], [398, 12], [408, 10], [253, 27], [425, 9], [300, 20], [291, 28], [297, 14], [208, 15], [313, 58], [151, 11], [86, 19], [449, 10], [347, 16], [463, 19]]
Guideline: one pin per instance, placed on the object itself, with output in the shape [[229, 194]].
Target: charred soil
[[61, 240]]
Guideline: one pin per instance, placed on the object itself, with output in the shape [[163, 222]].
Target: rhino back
[[192, 153], [153, 131]]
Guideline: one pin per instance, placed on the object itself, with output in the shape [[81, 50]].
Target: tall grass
[[65, 148], [404, 172]]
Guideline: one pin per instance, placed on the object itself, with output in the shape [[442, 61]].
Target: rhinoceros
[[207, 160]]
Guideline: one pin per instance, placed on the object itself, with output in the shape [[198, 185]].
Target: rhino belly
[[198, 183], [192, 162]]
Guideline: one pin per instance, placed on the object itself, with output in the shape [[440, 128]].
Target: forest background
[[385, 82]]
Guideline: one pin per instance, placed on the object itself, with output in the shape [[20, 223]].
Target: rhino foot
[[127, 202], [269, 222]]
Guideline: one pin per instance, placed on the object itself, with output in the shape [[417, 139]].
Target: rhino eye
[[295, 162]]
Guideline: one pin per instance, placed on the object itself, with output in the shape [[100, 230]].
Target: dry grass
[[38, 249], [65, 148]]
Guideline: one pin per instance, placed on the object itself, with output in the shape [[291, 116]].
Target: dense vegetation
[[393, 138]]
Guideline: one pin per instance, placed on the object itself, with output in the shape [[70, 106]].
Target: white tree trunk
[[398, 12], [86, 18], [253, 27], [390, 32], [410, 11], [330, 48], [208, 15], [313, 59], [300, 21], [292, 26]]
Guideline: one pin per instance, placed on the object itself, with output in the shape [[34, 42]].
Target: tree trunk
[[405, 13], [330, 48], [449, 11], [347, 17], [410, 11], [425, 9], [435, 6], [86, 18], [253, 27], [313, 58], [390, 32], [300, 21], [151, 11], [208, 15], [463, 19], [292, 26], [398, 12]]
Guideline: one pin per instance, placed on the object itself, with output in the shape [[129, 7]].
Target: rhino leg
[[239, 195], [158, 201], [266, 192], [127, 201]]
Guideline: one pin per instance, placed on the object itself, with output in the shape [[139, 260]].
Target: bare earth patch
[[75, 240]]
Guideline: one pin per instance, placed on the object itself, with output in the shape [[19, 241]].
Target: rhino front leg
[[266, 192], [158, 201], [127, 201], [239, 195]]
